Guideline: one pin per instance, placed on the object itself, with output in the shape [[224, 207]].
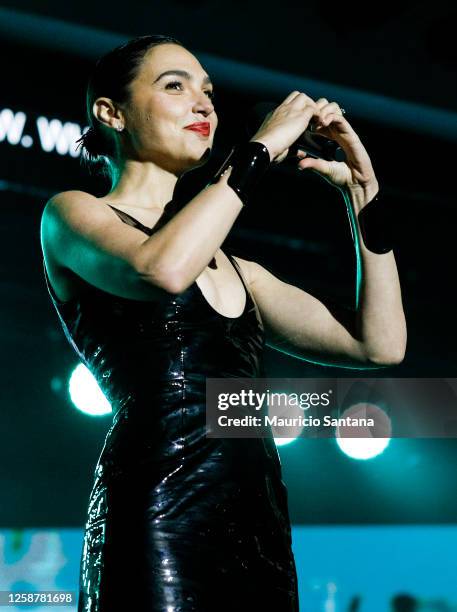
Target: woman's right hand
[[283, 126]]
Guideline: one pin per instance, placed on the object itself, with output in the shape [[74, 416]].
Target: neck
[[142, 184]]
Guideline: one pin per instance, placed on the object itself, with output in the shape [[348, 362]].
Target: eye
[[172, 84]]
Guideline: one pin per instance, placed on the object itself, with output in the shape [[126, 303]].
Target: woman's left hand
[[356, 173]]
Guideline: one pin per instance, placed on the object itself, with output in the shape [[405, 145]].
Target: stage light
[[283, 441], [85, 393], [362, 448], [283, 406], [365, 431]]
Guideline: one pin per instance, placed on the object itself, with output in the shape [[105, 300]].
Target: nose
[[203, 105]]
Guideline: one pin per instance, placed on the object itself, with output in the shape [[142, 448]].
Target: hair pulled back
[[111, 78]]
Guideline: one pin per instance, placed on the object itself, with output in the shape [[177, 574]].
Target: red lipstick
[[203, 127]]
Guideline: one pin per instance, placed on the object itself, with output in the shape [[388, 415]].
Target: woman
[[151, 304]]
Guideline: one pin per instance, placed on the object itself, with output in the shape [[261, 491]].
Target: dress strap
[[126, 218], [169, 210], [238, 270]]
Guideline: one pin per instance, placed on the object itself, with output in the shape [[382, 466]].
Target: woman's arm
[[298, 324], [81, 234]]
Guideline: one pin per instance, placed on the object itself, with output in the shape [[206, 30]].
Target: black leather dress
[[177, 521]]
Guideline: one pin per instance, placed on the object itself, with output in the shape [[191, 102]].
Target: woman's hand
[[283, 126], [356, 173]]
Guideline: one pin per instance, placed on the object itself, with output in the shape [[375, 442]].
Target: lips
[[203, 127]]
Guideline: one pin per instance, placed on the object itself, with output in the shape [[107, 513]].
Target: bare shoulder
[[84, 242], [70, 212], [71, 204], [55, 210], [73, 195], [66, 217]]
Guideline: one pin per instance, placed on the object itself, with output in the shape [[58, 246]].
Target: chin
[[196, 162]]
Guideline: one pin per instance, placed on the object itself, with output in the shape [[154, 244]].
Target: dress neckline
[[194, 285], [160, 222]]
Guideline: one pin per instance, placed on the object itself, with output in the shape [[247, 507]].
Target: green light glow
[[85, 393]]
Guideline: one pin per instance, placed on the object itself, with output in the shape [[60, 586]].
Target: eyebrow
[[182, 73]]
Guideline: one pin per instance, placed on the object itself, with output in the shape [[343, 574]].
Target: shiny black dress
[[177, 522]]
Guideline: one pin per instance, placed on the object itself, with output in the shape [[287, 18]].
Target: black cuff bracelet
[[249, 162], [376, 226]]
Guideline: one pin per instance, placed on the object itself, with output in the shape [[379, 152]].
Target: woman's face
[[162, 105]]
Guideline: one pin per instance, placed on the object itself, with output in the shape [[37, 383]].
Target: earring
[[119, 128]]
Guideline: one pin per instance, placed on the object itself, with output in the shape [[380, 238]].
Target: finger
[[333, 107], [312, 112], [290, 97], [303, 101], [337, 127], [320, 165], [330, 108], [301, 154], [322, 102], [332, 117]]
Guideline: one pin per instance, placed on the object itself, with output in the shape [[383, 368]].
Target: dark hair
[[111, 78]]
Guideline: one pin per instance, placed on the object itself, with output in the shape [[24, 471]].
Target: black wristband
[[249, 161], [376, 226]]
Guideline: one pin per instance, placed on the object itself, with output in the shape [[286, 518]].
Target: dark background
[[402, 58]]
